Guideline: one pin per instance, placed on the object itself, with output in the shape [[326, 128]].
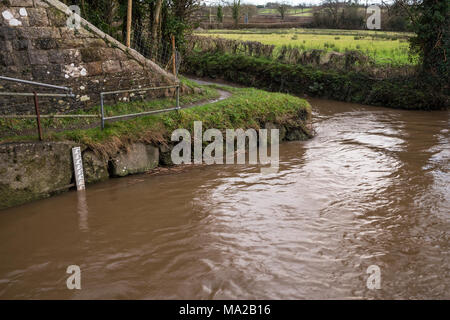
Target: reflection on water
[[371, 188], [83, 210]]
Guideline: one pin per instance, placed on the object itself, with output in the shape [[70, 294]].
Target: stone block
[[47, 72], [40, 4], [6, 46], [21, 45], [94, 68], [37, 32], [45, 44], [91, 54], [70, 33], [20, 3], [108, 53], [70, 43], [95, 43], [95, 167], [7, 33], [56, 18], [131, 66], [31, 171], [37, 17], [138, 158], [6, 59], [120, 55], [38, 56], [55, 56], [111, 66], [165, 157], [71, 56]]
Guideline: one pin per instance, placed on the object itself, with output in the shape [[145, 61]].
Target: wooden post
[[174, 57], [130, 6]]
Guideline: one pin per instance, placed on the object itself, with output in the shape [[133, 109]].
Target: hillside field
[[384, 47]]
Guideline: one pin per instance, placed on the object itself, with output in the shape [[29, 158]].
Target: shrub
[[400, 92]]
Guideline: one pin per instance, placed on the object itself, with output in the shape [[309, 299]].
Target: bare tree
[[156, 19], [236, 11], [331, 8], [283, 8]]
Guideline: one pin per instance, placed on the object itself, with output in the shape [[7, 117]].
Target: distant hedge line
[[403, 93]]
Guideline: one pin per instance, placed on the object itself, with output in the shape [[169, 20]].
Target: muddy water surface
[[372, 188]]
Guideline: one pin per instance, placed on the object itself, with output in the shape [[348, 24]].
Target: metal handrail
[[50, 116], [70, 94], [30, 94], [37, 84], [132, 115], [35, 95]]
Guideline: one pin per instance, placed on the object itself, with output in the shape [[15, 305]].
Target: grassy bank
[[400, 92], [246, 108], [383, 47]]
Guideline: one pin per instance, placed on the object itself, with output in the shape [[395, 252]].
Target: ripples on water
[[371, 188]]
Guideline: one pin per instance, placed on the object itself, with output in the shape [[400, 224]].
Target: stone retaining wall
[[37, 44], [36, 170]]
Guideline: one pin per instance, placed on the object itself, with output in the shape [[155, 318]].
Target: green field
[[384, 47], [306, 12]]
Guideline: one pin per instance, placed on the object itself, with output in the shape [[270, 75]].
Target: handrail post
[[102, 111], [38, 117], [178, 96]]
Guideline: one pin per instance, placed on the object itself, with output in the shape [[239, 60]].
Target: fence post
[[178, 96], [102, 111], [38, 115], [129, 11], [174, 57]]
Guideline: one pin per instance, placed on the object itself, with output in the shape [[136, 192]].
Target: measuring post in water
[[78, 167]]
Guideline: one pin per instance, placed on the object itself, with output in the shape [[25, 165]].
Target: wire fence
[[145, 34]]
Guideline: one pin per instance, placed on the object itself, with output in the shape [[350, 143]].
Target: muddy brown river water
[[372, 188]]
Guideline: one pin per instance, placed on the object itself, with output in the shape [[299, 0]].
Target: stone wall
[[37, 44], [36, 170]]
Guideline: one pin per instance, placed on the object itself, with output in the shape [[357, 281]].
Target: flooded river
[[372, 188]]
